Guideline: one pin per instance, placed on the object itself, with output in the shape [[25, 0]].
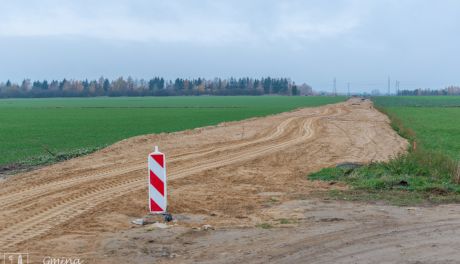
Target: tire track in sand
[[307, 247], [10, 200], [62, 211]]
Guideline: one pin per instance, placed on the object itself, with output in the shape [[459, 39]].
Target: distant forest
[[154, 87], [450, 90]]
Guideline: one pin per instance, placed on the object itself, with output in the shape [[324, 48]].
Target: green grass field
[[431, 173], [434, 119], [28, 127]]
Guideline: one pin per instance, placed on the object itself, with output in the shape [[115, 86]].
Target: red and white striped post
[[157, 182]]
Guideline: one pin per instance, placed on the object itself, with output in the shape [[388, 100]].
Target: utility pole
[[348, 88], [335, 87], [389, 84]]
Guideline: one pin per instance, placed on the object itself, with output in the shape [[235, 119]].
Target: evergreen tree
[[106, 86]]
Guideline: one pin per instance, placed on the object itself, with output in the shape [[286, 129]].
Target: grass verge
[[43, 160], [417, 177]]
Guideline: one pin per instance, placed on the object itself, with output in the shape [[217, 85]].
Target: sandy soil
[[246, 179], [305, 231]]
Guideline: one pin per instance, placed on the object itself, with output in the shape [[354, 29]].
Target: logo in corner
[[16, 258]]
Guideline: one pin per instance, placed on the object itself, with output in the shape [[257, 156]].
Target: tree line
[[156, 86], [450, 90]]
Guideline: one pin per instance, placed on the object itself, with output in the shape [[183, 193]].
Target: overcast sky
[[361, 42]]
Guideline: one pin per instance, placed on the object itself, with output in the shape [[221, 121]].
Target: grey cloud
[[357, 41]]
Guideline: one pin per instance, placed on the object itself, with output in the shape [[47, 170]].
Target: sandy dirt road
[[237, 177]]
